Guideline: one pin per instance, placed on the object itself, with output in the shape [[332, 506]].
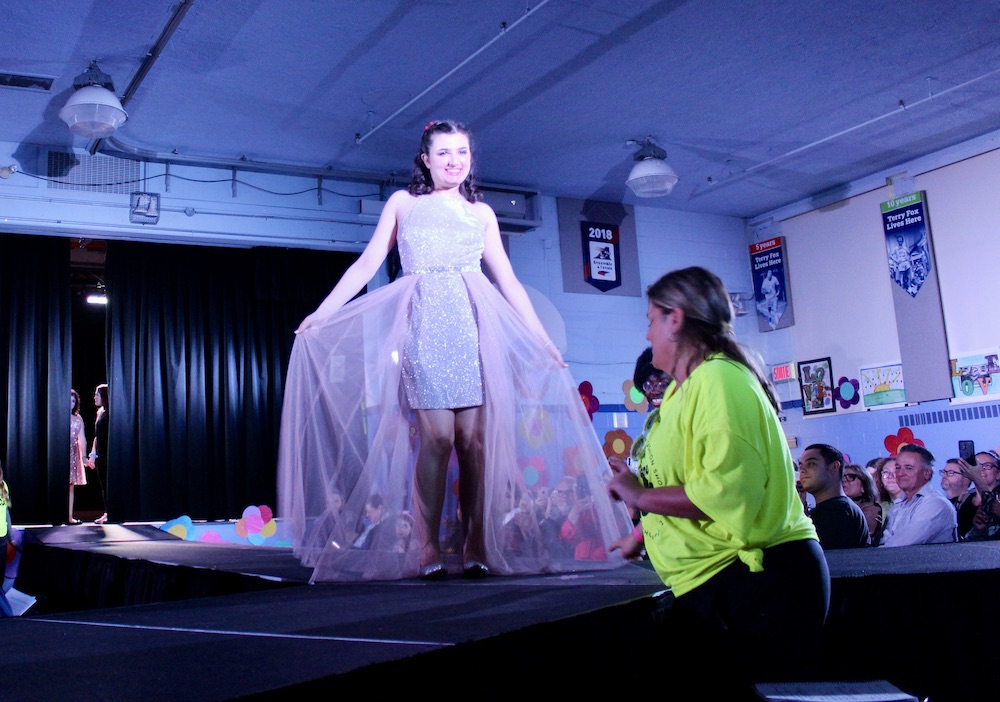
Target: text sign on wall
[[783, 372], [770, 287], [601, 255], [906, 242]]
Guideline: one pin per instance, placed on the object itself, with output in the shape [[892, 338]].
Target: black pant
[[768, 625]]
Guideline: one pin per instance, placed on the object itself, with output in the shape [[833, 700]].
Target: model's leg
[[437, 438], [72, 492], [471, 472]]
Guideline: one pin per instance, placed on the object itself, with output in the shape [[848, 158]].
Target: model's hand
[[556, 355], [309, 322]]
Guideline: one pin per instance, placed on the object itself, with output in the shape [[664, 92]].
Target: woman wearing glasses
[[859, 486], [957, 486], [985, 474]]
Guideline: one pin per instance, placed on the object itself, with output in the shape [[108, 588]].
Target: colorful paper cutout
[[617, 443], [847, 392], [894, 442], [590, 402], [635, 399], [883, 385]]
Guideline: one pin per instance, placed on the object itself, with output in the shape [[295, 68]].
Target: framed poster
[[770, 286], [816, 386], [973, 376], [883, 386], [907, 246]]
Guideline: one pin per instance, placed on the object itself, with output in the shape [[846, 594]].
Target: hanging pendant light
[[93, 111], [651, 176]]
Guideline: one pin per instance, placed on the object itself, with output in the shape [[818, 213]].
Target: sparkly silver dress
[[440, 336], [438, 241], [77, 474]]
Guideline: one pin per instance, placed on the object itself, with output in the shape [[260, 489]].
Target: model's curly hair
[[421, 182]]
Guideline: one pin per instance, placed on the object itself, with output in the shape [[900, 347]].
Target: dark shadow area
[[89, 353]]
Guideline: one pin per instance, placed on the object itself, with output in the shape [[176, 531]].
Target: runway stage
[[130, 612]]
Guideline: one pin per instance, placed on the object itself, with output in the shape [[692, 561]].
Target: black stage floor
[[128, 612], [273, 630]]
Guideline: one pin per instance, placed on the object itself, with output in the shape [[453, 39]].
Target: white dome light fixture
[[651, 176], [93, 111]]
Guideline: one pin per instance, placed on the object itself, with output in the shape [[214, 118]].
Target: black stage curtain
[[198, 346], [35, 321]]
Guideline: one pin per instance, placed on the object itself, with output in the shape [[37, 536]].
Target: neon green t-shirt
[[3, 512], [718, 437]]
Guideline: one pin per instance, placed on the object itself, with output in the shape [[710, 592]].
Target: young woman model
[[98, 458], [382, 391], [77, 451]]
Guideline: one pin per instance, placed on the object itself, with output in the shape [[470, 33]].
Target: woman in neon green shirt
[[5, 609], [721, 520]]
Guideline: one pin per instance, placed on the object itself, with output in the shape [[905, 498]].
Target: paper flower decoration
[[532, 470], [536, 429], [256, 524], [178, 527], [894, 442], [847, 392], [617, 443], [635, 400], [590, 403]]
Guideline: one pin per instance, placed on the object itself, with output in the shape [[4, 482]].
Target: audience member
[[336, 524], [922, 515], [98, 457], [580, 529], [885, 481], [984, 475], [562, 498], [889, 479], [874, 470], [404, 530], [839, 521], [801, 491], [957, 486], [77, 451], [541, 501], [373, 530], [569, 529], [859, 486], [520, 530], [653, 383]]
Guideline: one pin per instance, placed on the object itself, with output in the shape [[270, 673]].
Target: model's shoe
[[102, 519], [74, 521], [475, 569], [434, 571]]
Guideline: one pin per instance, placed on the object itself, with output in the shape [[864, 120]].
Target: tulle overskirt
[[347, 433]]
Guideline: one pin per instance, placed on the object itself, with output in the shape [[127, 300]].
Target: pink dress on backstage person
[[441, 336], [77, 474]]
